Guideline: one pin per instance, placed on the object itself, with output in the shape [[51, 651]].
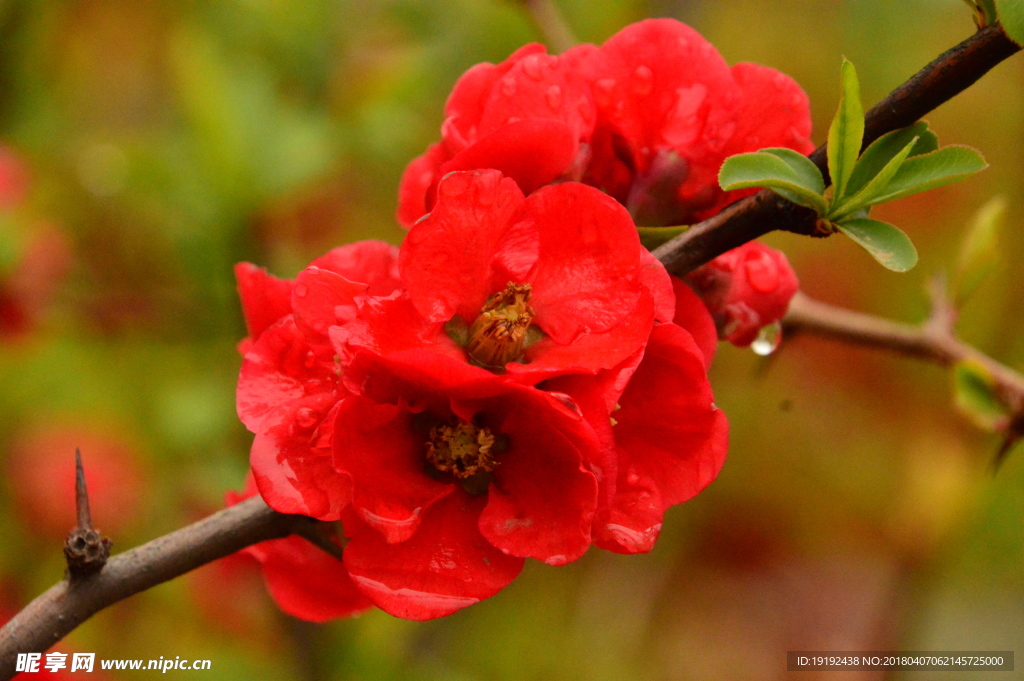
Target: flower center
[[498, 334], [461, 449]]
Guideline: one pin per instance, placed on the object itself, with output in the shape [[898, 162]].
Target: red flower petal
[[370, 262], [308, 583], [304, 580], [587, 275], [417, 179], [658, 281], [465, 105], [767, 90], [388, 325], [542, 501], [668, 425], [447, 260], [265, 298], [446, 566], [693, 315], [533, 152], [317, 295], [658, 80], [588, 352], [378, 447], [295, 477]]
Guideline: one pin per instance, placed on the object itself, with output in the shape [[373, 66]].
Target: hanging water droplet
[[301, 290], [768, 339]]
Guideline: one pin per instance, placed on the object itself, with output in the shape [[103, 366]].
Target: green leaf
[[975, 395], [758, 169], [847, 131], [652, 237], [1011, 16], [934, 169], [882, 150], [886, 243], [877, 185], [804, 167], [979, 250]]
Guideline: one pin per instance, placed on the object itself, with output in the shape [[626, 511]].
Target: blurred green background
[[166, 140]]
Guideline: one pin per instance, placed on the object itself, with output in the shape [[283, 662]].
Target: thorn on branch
[[86, 549]]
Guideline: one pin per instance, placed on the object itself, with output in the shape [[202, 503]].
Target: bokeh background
[[148, 146]]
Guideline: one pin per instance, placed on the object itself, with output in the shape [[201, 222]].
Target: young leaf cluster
[[899, 164]]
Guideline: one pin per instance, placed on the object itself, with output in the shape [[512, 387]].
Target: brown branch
[[931, 341], [950, 74], [550, 24], [67, 604]]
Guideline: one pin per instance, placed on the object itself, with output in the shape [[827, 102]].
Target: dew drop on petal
[[508, 86], [768, 339], [305, 417], [643, 80], [532, 67], [301, 290], [603, 91], [310, 360], [554, 97]]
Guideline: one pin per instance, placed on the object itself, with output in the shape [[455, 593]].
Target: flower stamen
[[498, 335], [461, 449]]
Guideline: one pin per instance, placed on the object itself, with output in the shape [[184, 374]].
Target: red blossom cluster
[[522, 379]]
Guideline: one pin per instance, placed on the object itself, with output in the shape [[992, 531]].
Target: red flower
[[669, 111], [304, 580], [456, 478], [537, 286], [745, 289], [663, 438], [289, 378]]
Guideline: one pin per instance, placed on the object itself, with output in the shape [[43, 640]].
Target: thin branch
[[929, 341], [67, 604], [950, 74], [550, 24]]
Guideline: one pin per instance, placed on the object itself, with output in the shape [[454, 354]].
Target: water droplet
[[301, 290], [763, 273], [643, 80], [306, 417], [312, 386], [554, 97], [310, 361], [768, 339], [603, 91], [532, 67], [632, 477], [508, 86]]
